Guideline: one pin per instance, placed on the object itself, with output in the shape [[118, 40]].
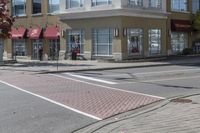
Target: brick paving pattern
[[98, 101], [172, 118]]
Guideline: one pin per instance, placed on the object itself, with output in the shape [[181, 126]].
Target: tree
[[6, 21], [196, 21]]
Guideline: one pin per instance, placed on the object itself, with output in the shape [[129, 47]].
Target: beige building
[[100, 29]]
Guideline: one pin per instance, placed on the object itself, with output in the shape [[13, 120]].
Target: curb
[[112, 68], [100, 69]]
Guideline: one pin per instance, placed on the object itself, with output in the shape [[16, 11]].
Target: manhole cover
[[181, 100]]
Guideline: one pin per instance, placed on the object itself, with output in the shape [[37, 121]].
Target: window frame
[[14, 9], [50, 7], [22, 45], [140, 4], [196, 4], [158, 41], [155, 7], [178, 47], [94, 3], [81, 43], [68, 4], [139, 32], [179, 6], [109, 44], [33, 8]]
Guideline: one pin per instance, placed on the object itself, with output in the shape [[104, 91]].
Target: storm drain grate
[[181, 100]]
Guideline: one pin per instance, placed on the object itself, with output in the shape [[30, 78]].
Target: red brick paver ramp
[[98, 101]]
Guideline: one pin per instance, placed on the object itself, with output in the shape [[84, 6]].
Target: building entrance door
[[1, 50], [54, 47], [37, 44]]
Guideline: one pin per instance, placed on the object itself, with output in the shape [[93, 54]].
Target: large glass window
[[76, 41], [154, 41], [136, 3], [19, 48], [54, 6], [74, 3], [135, 41], [101, 2], [179, 41], [54, 48], [195, 6], [36, 7], [19, 7], [179, 5], [102, 41], [155, 4]]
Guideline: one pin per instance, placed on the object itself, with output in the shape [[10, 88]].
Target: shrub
[[187, 51]]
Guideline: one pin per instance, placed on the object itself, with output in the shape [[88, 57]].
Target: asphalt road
[[99, 93], [163, 81], [23, 113]]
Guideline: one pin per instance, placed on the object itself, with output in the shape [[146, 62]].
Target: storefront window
[[101, 2], [54, 6], [36, 7], [19, 48], [179, 5], [74, 3], [135, 41], [154, 41], [102, 41], [179, 41], [155, 4], [37, 44], [19, 7], [136, 3], [76, 41]]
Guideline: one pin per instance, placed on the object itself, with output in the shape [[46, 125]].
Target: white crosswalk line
[[91, 78]]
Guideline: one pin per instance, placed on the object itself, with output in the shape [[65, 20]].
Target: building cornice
[[113, 13]]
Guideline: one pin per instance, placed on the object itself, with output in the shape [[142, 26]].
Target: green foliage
[[196, 21], [187, 51]]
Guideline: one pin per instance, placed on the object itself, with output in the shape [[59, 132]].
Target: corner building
[[99, 29]]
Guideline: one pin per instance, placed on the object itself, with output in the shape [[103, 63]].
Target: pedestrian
[[40, 52]]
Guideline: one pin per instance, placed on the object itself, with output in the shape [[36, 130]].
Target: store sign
[[181, 25]]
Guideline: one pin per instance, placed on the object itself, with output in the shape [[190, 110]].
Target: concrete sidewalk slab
[[170, 116]]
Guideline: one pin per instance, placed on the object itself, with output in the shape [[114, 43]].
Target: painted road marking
[[171, 71], [171, 79], [91, 78], [116, 89], [52, 101], [165, 79]]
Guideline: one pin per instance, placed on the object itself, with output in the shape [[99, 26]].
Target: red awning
[[18, 33], [35, 33], [52, 33], [181, 25], [14, 33]]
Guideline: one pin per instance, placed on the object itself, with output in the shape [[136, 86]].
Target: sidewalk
[[80, 65], [171, 116]]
